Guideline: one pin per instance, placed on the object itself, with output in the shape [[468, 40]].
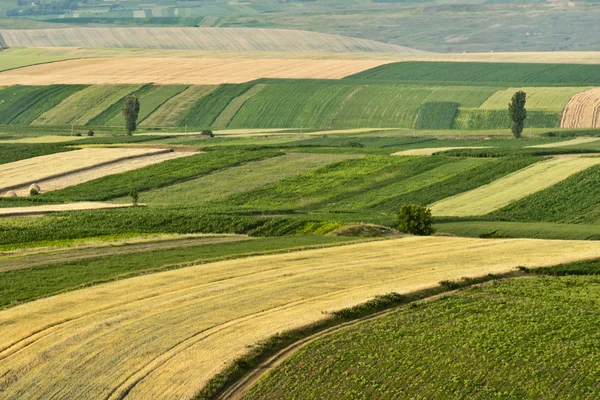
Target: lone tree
[[416, 220], [131, 110], [518, 113]]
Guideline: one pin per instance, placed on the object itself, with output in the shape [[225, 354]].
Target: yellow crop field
[[513, 187], [44, 139], [431, 150], [166, 334], [117, 167], [38, 210], [538, 98], [583, 110], [229, 39], [179, 71], [38, 169]]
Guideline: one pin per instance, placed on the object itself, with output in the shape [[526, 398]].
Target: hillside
[[226, 39]]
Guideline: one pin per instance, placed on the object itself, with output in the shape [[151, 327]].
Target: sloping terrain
[[230, 39], [170, 332]]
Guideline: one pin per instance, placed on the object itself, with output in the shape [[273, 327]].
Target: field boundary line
[[266, 359], [74, 171]]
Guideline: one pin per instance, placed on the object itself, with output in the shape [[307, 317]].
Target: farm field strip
[[105, 71], [583, 110], [114, 168], [169, 113], [37, 169], [431, 150], [39, 210], [81, 107], [538, 98], [41, 259], [239, 179], [228, 39], [234, 106], [183, 326], [43, 139], [513, 187], [566, 143]]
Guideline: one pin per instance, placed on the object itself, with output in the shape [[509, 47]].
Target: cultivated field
[[582, 111], [174, 330], [38, 210], [566, 143], [532, 337], [38, 169], [169, 113], [513, 187], [538, 98], [430, 151], [166, 71], [227, 39], [117, 167]]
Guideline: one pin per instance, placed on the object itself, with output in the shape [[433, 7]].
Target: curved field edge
[[177, 308], [540, 355]]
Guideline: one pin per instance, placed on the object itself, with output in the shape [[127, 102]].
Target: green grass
[[498, 74], [234, 106], [84, 105], [111, 115], [171, 111], [204, 112], [156, 176], [16, 152], [527, 339], [30, 283], [212, 187], [22, 104], [540, 98], [533, 230], [438, 115], [574, 200], [475, 118]]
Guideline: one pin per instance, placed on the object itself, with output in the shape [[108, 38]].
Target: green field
[[519, 339], [491, 74], [169, 113], [84, 105]]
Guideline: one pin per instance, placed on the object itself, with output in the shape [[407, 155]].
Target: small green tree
[[135, 196], [131, 110], [416, 220], [517, 113]]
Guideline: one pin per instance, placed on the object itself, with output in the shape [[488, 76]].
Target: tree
[[517, 112], [131, 110], [416, 220], [135, 196]]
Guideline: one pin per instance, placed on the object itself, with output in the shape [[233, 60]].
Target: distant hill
[[229, 39]]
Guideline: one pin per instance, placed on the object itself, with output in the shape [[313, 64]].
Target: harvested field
[[117, 167], [513, 187], [432, 150], [566, 143], [170, 332], [228, 39], [38, 169], [104, 71], [44, 139], [583, 110], [39, 210]]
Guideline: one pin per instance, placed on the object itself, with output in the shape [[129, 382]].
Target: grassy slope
[[239, 179], [528, 338], [29, 283], [116, 109], [84, 105], [157, 175], [505, 74], [172, 110]]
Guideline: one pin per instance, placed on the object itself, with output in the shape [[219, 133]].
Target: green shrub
[[416, 220]]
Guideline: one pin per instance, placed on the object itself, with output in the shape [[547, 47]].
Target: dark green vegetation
[[492, 74], [527, 339], [15, 152], [517, 113], [415, 220], [29, 278]]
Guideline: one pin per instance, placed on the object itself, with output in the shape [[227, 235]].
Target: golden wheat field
[[117, 167], [428, 151], [513, 187], [167, 333], [229, 39], [179, 71], [37, 169], [583, 110]]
